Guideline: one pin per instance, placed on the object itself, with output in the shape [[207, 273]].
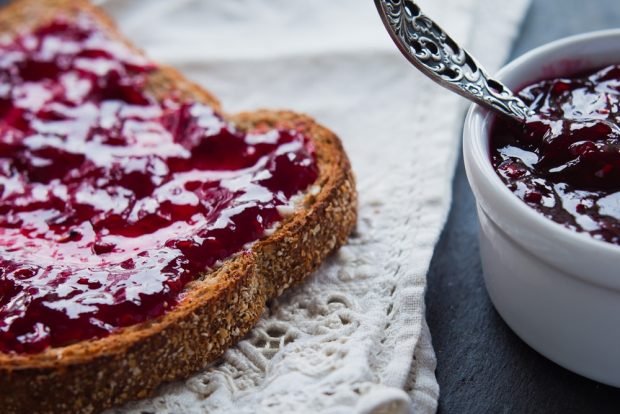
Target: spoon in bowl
[[431, 50]]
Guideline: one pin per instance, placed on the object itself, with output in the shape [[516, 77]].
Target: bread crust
[[219, 308]]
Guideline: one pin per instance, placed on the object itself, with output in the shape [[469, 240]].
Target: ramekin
[[557, 289]]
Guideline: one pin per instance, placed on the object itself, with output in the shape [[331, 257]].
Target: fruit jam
[[112, 201], [565, 160]]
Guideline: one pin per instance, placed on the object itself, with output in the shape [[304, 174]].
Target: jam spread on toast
[[565, 160], [113, 200]]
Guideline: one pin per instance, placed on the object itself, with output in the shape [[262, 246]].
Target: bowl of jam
[[548, 200]]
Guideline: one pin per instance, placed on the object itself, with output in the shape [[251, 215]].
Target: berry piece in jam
[[568, 153]]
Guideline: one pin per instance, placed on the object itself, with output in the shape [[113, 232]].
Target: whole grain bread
[[219, 308]]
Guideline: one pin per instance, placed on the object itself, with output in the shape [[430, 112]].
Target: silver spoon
[[435, 54]]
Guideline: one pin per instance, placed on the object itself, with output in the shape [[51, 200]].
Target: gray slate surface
[[482, 366]]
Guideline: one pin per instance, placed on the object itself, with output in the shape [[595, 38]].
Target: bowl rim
[[475, 136]]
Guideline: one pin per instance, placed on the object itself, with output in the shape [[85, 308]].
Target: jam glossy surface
[[565, 161], [112, 201]]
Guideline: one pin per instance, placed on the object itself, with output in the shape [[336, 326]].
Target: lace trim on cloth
[[353, 337]]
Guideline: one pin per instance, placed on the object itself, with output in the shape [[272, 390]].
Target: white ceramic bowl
[[559, 290]]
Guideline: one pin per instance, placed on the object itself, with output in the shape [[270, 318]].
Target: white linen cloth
[[353, 337]]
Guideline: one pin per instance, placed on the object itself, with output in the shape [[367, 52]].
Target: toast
[[218, 308]]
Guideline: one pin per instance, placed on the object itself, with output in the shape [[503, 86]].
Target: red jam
[[111, 201], [565, 160]]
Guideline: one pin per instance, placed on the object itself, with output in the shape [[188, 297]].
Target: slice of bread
[[218, 310]]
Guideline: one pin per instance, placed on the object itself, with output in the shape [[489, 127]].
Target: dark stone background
[[482, 366]]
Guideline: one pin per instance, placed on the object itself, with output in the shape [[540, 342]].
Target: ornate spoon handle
[[435, 54]]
